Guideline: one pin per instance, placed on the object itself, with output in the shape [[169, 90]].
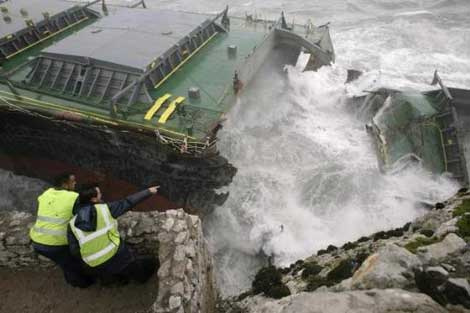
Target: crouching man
[[56, 207], [94, 237]]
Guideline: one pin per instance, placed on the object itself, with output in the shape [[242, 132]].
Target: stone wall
[[185, 279]]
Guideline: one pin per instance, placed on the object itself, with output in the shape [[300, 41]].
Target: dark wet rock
[[349, 245], [439, 206], [299, 262], [430, 283], [315, 282], [397, 232], [427, 232], [331, 248], [463, 190], [343, 270], [435, 282], [321, 252], [406, 227], [363, 239], [380, 235], [310, 269], [457, 291], [265, 278], [268, 281], [278, 291]]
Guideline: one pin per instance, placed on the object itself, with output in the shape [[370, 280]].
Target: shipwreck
[[431, 128]]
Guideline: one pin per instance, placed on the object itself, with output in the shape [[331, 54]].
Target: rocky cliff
[[423, 266]]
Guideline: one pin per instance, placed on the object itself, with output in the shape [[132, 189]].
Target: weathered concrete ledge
[[185, 279]]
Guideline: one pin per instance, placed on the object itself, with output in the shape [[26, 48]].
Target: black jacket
[[86, 220]]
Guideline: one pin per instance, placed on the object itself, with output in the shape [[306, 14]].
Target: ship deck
[[209, 68]]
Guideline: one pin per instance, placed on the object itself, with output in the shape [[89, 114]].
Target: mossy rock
[[343, 270], [360, 258], [314, 282], [462, 209], [427, 232], [310, 269], [299, 262], [266, 278], [349, 245], [439, 206], [463, 225], [379, 235], [462, 190], [321, 252], [278, 291], [363, 239], [331, 248], [244, 295], [397, 232], [420, 242]]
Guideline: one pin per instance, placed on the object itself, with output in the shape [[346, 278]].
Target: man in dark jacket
[[94, 237]]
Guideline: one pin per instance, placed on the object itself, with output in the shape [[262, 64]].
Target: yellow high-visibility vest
[[54, 212], [97, 247]]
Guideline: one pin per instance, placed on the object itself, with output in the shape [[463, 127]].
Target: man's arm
[[74, 246], [76, 206], [118, 208]]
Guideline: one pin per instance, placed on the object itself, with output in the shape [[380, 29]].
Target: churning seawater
[[307, 170]]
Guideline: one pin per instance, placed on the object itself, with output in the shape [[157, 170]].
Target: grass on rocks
[[420, 242]]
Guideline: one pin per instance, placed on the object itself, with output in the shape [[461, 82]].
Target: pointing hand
[[153, 190]]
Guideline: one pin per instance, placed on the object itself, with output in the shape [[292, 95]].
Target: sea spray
[[308, 177]]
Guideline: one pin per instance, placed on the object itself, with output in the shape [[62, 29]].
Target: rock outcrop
[[371, 301], [185, 280], [423, 266]]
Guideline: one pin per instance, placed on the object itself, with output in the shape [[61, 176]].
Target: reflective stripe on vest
[[98, 246], [54, 212]]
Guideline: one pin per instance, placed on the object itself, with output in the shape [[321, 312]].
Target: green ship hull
[[425, 127], [130, 96]]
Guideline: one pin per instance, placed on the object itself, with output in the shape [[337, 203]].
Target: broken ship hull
[[425, 127]]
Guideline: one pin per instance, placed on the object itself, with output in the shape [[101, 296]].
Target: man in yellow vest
[[49, 233], [94, 237]]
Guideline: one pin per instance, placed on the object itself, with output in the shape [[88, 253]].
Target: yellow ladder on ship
[[156, 106], [171, 108]]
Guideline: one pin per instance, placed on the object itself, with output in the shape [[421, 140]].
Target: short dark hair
[[62, 179], [87, 192]]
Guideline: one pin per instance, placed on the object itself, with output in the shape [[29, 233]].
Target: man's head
[[66, 181], [90, 194]]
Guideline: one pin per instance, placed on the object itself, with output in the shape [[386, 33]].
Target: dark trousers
[[74, 271], [126, 266]]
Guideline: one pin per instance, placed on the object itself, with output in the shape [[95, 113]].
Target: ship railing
[[187, 146]]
